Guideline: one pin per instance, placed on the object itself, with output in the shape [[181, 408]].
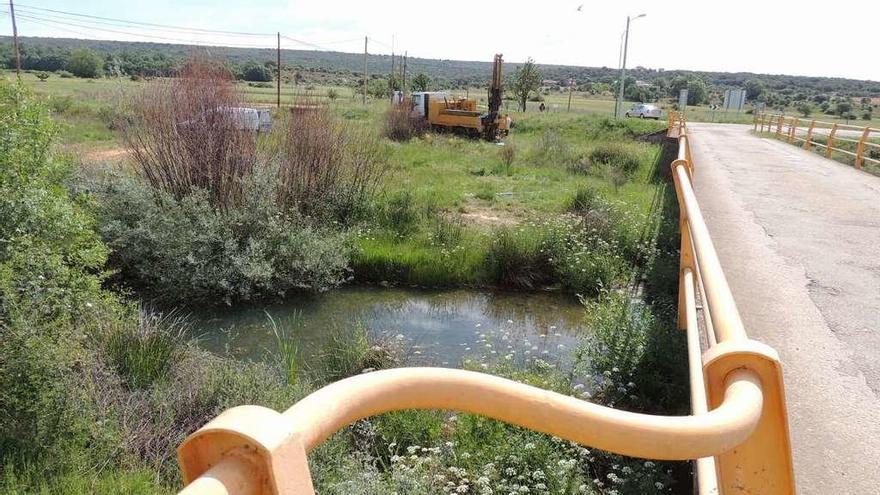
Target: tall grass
[[615, 156], [286, 349], [518, 260], [144, 353], [348, 351]]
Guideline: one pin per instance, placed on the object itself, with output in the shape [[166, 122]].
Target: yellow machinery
[[441, 110]]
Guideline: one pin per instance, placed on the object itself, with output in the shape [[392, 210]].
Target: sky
[[775, 37]]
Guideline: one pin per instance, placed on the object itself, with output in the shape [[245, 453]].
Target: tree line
[[93, 58]]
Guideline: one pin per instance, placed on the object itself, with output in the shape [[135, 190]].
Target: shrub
[[332, 94], [867, 115], [187, 250], [48, 251], [49, 292], [325, 169], [84, 63], [637, 363], [46, 411], [63, 74], [805, 109], [401, 125], [260, 84], [615, 156], [42, 75], [179, 141], [254, 71]]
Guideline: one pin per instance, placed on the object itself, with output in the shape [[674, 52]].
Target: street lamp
[[619, 102]]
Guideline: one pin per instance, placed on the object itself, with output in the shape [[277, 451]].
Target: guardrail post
[[762, 464], [792, 130], [829, 150], [860, 149], [808, 141], [270, 458], [779, 125]]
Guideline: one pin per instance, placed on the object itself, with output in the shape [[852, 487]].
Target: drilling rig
[[441, 111]]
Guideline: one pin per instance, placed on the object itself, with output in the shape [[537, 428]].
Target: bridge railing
[[861, 144], [737, 432]]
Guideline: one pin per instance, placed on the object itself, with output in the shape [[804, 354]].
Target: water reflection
[[439, 328]]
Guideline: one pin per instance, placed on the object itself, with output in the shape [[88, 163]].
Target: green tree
[[754, 89], [526, 80], [256, 72], [378, 88], [678, 83], [804, 108], [843, 108], [421, 82], [85, 63], [696, 91]]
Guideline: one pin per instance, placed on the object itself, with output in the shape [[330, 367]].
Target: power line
[[119, 24], [216, 31], [306, 43], [55, 19], [41, 20], [374, 40]]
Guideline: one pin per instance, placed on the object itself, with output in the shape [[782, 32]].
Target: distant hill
[[49, 54]]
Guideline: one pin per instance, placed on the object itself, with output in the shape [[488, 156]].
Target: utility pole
[[570, 87], [15, 41], [391, 78], [619, 102], [279, 71], [365, 70], [405, 54]]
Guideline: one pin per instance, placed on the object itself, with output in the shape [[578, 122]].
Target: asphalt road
[[799, 240]]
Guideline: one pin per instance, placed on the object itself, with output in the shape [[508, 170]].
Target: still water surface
[[437, 328]]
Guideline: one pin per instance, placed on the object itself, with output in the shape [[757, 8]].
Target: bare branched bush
[[325, 169], [183, 134], [401, 125]]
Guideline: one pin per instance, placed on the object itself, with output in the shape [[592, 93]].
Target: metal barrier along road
[[850, 140], [737, 432]]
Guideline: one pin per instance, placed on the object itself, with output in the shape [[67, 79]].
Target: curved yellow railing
[[737, 432]]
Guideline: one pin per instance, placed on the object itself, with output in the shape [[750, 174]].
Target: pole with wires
[[391, 77], [278, 93], [405, 54], [365, 70], [15, 41]]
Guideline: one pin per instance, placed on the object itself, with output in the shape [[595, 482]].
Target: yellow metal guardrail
[[737, 432], [806, 131]]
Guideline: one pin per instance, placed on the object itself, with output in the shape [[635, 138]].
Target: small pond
[[436, 328]]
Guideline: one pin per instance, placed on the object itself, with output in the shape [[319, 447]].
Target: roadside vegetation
[[99, 388]]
